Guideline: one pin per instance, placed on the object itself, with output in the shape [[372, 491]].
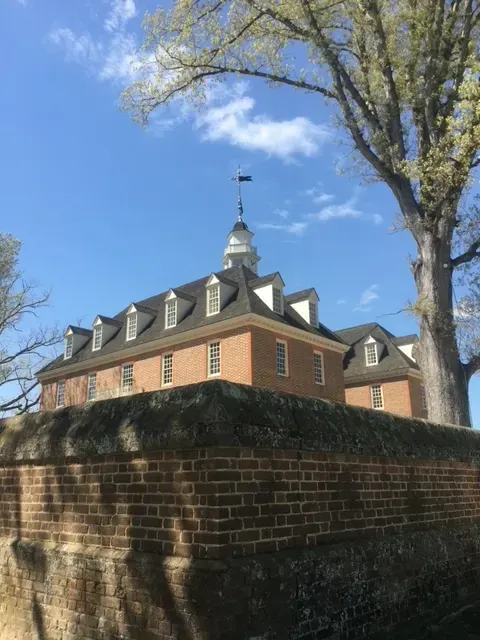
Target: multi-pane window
[[68, 347], [377, 396], [214, 358], [97, 337], [312, 307], [423, 397], [282, 365], [167, 369], [61, 393], [127, 378], [131, 326], [213, 300], [277, 300], [92, 386], [171, 313], [318, 368], [371, 354]]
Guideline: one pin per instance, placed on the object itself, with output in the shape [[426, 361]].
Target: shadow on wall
[[145, 507]]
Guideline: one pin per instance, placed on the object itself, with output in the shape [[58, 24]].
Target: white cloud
[[234, 123], [295, 228], [121, 61], [342, 301], [282, 213], [345, 210], [368, 295], [377, 218], [120, 13], [322, 197], [77, 48]]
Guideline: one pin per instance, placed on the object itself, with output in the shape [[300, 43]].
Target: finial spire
[[239, 179]]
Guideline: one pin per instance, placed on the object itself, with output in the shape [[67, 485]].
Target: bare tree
[[23, 343], [403, 75]]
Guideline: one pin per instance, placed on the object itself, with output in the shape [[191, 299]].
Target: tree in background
[[22, 349], [403, 75]]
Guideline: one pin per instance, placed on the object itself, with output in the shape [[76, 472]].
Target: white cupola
[[240, 250]]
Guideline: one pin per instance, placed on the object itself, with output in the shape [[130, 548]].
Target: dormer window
[[371, 354], [313, 313], [213, 300], [131, 326], [277, 300], [171, 314], [97, 337], [68, 347]]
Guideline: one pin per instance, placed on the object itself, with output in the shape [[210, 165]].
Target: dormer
[[406, 344], [177, 305], [74, 339], [305, 304], [103, 330], [218, 291], [373, 351], [270, 290], [138, 316]]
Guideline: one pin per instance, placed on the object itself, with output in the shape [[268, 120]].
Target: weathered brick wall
[[300, 379], [222, 511], [400, 395]]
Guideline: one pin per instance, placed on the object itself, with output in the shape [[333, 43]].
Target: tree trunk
[[446, 385]]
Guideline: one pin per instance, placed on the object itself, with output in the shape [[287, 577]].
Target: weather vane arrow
[[239, 179]]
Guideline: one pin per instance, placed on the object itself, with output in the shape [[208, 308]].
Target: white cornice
[[249, 319]]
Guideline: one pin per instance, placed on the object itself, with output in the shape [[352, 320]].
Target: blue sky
[[109, 213]]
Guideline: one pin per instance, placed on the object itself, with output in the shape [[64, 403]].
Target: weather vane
[[239, 179]]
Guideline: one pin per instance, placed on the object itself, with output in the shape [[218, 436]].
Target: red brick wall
[[189, 367], [400, 396], [248, 356], [216, 502], [300, 379]]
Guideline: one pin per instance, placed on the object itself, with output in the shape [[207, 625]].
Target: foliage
[[22, 349], [404, 77]]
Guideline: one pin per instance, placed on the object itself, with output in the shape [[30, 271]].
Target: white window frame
[[60, 385], [313, 313], [277, 308], [285, 345], [367, 347], [213, 300], [319, 379], [210, 372], [373, 397], [132, 326], [123, 387], [68, 347], [90, 387], [97, 331], [169, 383], [170, 317]]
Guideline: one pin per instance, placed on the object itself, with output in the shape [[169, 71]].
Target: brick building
[[232, 325], [381, 372]]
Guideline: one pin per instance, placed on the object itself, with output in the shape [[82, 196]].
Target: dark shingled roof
[[111, 321], [242, 301], [144, 309], [80, 330], [403, 340], [240, 226], [299, 295], [392, 359], [258, 282]]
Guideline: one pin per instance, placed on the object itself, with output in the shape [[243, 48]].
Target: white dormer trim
[[407, 349], [107, 332], [74, 341], [265, 293], [181, 305], [225, 291], [373, 351], [136, 318], [302, 307]]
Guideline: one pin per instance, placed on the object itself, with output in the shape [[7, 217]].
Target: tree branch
[[472, 253], [472, 366]]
